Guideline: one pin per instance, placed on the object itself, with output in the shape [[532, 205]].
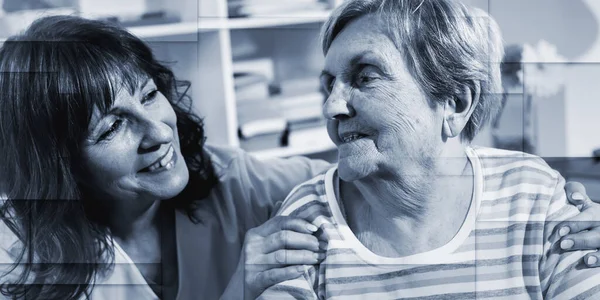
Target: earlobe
[[459, 108], [448, 129], [449, 110]]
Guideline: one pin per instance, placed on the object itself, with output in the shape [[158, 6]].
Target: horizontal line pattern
[[505, 256]]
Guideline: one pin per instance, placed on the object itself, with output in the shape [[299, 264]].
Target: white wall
[[568, 123], [582, 107]]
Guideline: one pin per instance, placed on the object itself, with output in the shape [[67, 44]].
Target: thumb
[[577, 195]]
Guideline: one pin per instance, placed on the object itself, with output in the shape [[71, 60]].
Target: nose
[[337, 106], [156, 133]]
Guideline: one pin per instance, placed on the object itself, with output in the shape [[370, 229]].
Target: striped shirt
[[503, 250]]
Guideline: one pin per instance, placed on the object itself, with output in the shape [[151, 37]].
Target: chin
[[174, 185], [352, 170]]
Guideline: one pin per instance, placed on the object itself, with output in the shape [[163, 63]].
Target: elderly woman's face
[[379, 117], [133, 151]]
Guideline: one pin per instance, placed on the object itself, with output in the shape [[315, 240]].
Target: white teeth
[[351, 137], [165, 162], [167, 157]]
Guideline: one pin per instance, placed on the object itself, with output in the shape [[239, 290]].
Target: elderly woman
[[93, 135], [413, 210]]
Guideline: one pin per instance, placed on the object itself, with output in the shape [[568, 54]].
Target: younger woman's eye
[[149, 96], [116, 125]]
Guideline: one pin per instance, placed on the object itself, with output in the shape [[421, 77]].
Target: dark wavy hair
[[51, 78]]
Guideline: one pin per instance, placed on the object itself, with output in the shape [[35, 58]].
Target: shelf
[[212, 24], [161, 30], [297, 18]]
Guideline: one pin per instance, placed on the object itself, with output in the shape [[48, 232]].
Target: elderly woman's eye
[[328, 84], [366, 78]]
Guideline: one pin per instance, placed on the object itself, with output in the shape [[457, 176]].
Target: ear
[[459, 108]]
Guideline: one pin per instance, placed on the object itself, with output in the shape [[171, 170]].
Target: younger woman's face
[[132, 152]]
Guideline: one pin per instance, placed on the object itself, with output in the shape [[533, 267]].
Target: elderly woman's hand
[[277, 251], [581, 232]]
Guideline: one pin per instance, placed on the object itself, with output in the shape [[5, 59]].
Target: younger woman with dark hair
[[94, 133]]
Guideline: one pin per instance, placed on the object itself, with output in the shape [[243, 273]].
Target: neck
[[127, 223], [414, 206]]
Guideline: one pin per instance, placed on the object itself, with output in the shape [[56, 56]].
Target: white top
[[503, 250], [438, 255]]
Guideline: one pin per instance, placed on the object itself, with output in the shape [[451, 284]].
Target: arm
[[562, 274], [271, 251], [305, 286], [268, 258]]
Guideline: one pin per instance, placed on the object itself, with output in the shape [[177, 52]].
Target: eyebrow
[[140, 87], [145, 83], [113, 109], [355, 61]]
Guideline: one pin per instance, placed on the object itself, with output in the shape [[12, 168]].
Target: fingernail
[[567, 244], [316, 256], [564, 231], [300, 269], [577, 196], [312, 228], [322, 245], [320, 256], [592, 260]]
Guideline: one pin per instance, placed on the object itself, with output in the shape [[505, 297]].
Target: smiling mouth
[[165, 163], [351, 137]]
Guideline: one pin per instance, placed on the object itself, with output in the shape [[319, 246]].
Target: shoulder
[[505, 164], [223, 156], [519, 185], [309, 195]]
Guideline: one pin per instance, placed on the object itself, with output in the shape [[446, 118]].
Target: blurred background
[[254, 67]]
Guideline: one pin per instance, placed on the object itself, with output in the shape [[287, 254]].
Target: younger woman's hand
[[581, 232], [278, 251]]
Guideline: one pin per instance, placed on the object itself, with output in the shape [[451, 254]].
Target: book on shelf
[[315, 137], [252, 79], [252, 129], [269, 122], [261, 125], [264, 142], [299, 86], [300, 107], [263, 66], [250, 86]]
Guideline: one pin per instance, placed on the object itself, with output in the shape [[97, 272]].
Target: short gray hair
[[446, 46]]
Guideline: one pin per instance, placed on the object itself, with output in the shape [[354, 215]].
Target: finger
[[287, 239], [271, 277], [291, 257], [577, 195], [586, 220], [279, 223], [592, 260], [587, 240]]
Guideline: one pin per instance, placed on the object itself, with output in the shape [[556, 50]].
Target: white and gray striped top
[[504, 249]]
